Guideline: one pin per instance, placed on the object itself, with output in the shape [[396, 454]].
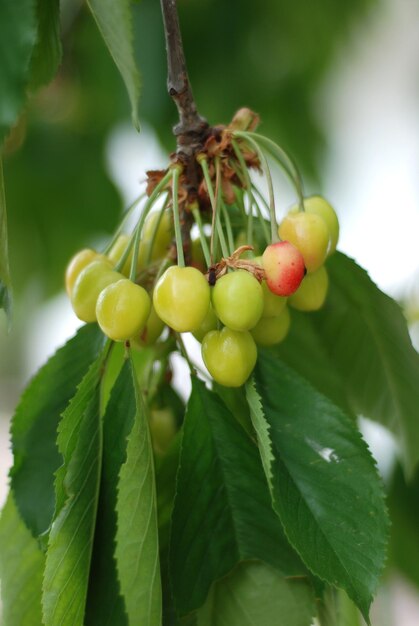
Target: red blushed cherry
[[284, 268]]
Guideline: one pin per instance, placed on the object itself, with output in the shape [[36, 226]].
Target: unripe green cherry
[[181, 298], [117, 251], [151, 331], [272, 330], [312, 292], [320, 206], [122, 309], [273, 305], [237, 299], [229, 356], [307, 232], [90, 282], [76, 264], [210, 323]]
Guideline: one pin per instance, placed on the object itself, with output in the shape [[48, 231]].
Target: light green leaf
[[366, 337], [5, 280], [137, 548], [325, 486], [105, 605], [47, 52], [35, 423], [77, 493], [114, 21], [254, 594], [21, 569], [222, 512], [17, 39]]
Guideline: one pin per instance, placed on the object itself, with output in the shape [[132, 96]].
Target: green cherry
[[309, 233], [237, 299], [181, 298], [312, 292], [90, 282], [229, 356], [122, 309], [272, 330]]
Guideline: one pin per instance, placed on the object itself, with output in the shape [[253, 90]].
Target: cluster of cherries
[[246, 307]]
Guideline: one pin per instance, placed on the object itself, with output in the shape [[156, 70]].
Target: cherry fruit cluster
[[156, 276]]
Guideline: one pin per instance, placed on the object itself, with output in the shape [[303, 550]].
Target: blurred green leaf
[[77, 491], [35, 423], [21, 569], [222, 512], [114, 21], [17, 39], [324, 483], [137, 548], [254, 594], [47, 52], [5, 280], [366, 337]]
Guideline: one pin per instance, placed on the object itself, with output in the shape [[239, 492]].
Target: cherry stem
[[246, 177], [285, 161], [125, 216], [230, 237], [176, 219], [155, 229], [267, 172], [185, 354], [202, 238], [216, 225]]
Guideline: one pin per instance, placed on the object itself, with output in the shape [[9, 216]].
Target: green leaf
[[137, 548], [17, 38], [366, 337], [47, 52], [324, 483], [254, 594], [21, 569], [5, 280], [105, 605], [77, 492], [222, 512], [35, 423], [114, 21]]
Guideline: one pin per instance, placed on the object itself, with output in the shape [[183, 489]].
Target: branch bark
[[192, 128]]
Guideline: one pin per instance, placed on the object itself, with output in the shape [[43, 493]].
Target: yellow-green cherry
[[122, 309], [237, 299], [90, 282], [311, 294], [181, 298], [272, 330], [309, 233], [229, 356]]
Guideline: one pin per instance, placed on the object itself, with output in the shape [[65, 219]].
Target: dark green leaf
[[304, 351], [77, 493], [366, 337], [137, 548], [114, 21], [222, 511], [47, 52], [324, 483], [105, 606], [35, 423], [5, 280], [254, 594], [21, 569], [404, 514], [17, 38]]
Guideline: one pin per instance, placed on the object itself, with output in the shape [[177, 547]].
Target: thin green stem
[[267, 172], [202, 238], [176, 218], [155, 229], [214, 199], [125, 216], [248, 183], [284, 160], [230, 237], [135, 241]]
